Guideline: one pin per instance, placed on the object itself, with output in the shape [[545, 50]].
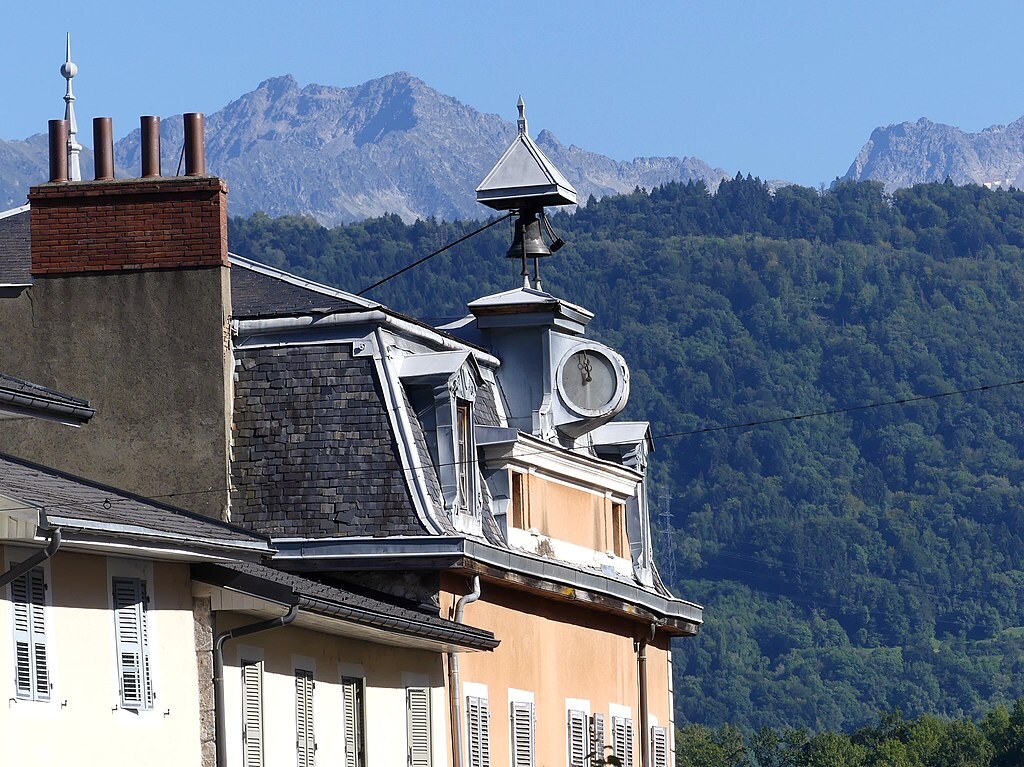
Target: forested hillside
[[850, 563]]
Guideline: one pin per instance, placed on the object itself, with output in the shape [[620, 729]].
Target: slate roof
[[15, 253], [261, 291], [350, 604], [77, 503], [313, 450], [29, 399]]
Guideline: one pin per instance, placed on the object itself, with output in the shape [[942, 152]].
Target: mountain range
[[395, 145], [390, 145], [916, 152]]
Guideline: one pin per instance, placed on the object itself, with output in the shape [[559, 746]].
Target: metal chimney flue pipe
[[195, 144], [58, 133], [150, 146], [103, 148]]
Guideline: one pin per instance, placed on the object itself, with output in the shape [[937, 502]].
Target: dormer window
[[466, 465], [442, 389]]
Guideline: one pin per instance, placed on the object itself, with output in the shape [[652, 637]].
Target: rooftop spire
[[68, 70], [522, 116]]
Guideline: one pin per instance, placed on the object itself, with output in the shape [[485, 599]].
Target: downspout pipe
[[454, 692], [641, 664], [52, 544], [218, 672]]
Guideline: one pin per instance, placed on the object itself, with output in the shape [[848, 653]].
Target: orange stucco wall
[[557, 650], [569, 514]]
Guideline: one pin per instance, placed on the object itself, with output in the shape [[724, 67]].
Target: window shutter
[[252, 714], [478, 731], [352, 710], [32, 674], [659, 747], [522, 734], [305, 741], [577, 738], [132, 635], [418, 721], [622, 739], [597, 736]]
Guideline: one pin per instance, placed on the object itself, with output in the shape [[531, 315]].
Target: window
[[622, 739], [305, 738], [465, 463], [352, 690], [478, 731], [417, 703], [577, 738], [519, 516], [659, 747], [32, 674], [252, 713], [523, 733], [619, 530], [132, 638], [597, 736]]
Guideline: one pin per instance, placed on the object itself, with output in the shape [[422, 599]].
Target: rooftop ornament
[[525, 181], [68, 70]]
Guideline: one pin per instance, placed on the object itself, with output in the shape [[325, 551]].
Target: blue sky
[[783, 90]]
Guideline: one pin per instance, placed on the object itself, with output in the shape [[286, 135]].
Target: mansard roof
[[15, 257]]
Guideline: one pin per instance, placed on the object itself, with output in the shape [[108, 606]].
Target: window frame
[[133, 618], [30, 611]]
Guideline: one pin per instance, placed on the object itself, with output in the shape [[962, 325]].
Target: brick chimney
[[130, 308]]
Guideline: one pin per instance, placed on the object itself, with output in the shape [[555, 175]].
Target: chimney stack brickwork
[[134, 224]]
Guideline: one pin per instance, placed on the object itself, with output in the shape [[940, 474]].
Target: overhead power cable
[[437, 252], [667, 435], [839, 410]]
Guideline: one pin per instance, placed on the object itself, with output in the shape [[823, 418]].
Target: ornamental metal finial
[[522, 116], [68, 70]]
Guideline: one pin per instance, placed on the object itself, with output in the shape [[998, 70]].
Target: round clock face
[[589, 381]]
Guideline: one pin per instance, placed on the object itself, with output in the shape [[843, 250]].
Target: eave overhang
[[510, 568], [247, 593]]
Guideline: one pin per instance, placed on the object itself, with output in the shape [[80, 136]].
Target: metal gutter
[[52, 544], [354, 553], [44, 407], [117, 531], [244, 330]]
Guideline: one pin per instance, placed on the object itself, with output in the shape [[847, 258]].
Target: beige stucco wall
[[149, 350], [557, 651], [83, 723], [388, 671]]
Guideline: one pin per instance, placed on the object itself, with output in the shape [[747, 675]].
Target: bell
[[528, 242]]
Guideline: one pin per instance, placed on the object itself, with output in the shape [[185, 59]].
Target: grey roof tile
[[329, 447], [15, 253], [76, 502], [349, 603]]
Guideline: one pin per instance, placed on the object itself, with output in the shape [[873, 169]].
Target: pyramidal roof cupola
[[526, 181]]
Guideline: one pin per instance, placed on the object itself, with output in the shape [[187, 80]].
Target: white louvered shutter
[[597, 736], [478, 731], [522, 734], [659, 747], [132, 635], [577, 738], [418, 720], [622, 739], [32, 673], [252, 714], [352, 711], [305, 740]]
